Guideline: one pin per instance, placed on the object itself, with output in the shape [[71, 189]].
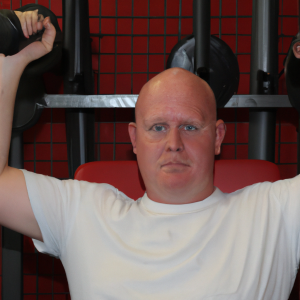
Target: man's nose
[[174, 141]]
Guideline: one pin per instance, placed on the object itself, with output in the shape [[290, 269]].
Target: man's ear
[[220, 134], [132, 135], [296, 49]]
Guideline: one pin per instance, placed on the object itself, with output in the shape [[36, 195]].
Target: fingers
[[28, 21], [34, 21], [40, 22], [31, 22], [41, 18], [22, 19]]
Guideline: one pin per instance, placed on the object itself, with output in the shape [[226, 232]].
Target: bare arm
[[15, 209]]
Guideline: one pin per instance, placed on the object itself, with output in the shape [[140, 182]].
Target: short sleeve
[[55, 205], [288, 194]]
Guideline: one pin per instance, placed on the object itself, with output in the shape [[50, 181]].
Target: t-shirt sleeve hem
[[41, 247]]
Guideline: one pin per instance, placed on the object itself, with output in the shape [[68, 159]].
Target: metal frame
[[127, 101]]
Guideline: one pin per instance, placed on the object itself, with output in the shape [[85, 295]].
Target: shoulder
[[275, 193], [102, 195], [257, 194], [72, 189]]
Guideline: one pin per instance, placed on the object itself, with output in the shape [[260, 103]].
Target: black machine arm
[[77, 48], [201, 27]]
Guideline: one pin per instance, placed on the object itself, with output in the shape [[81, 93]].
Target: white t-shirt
[[238, 246]]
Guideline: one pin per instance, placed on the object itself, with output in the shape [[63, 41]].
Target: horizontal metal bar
[[127, 101], [259, 101]]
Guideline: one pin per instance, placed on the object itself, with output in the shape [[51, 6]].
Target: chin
[[175, 180]]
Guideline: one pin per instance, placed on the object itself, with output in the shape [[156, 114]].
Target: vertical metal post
[[262, 125], [12, 242], [263, 77], [78, 79], [201, 28], [80, 137]]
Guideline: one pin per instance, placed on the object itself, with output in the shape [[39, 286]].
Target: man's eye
[[158, 128], [189, 127]]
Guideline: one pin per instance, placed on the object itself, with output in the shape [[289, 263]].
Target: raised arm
[[15, 209]]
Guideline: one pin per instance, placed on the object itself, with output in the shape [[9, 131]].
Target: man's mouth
[[174, 164]]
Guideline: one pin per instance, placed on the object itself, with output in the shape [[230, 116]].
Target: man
[[184, 239]]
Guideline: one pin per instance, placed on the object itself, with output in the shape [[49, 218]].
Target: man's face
[[175, 141]]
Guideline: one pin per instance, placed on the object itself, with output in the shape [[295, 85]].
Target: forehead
[[173, 110], [174, 104]]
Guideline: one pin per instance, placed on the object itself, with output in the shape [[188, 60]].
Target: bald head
[[173, 85], [176, 137]]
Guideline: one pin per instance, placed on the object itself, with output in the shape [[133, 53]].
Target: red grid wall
[[138, 36]]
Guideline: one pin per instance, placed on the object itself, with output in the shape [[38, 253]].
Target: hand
[[296, 49], [31, 22], [40, 48]]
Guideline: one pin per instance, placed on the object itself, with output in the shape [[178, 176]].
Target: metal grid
[[116, 140], [236, 118]]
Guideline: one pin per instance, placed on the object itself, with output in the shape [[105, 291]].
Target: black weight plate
[[292, 76], [31, 88], [224, 68], [9, 32], [30, 93]]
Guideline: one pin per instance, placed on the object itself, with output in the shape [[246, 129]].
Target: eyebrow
[[160, 120], [155, 120]]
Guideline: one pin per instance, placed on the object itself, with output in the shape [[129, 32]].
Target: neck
[[179, 196]]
